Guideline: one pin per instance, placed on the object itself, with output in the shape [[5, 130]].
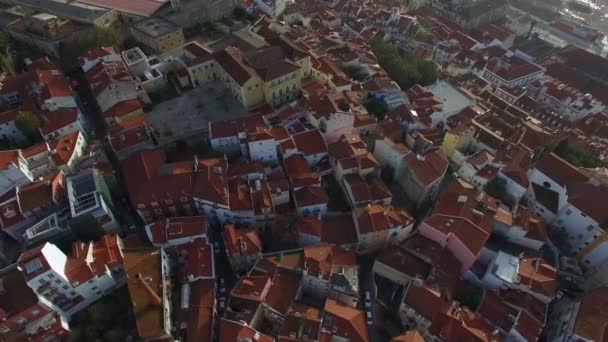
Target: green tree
[[29, 123], [471, 299], [87, 40], [376, 108], [8, 64], [406, 72], [4, 41], [239, 13], [577, 155]]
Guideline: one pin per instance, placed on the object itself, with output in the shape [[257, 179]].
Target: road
[[95, 129]]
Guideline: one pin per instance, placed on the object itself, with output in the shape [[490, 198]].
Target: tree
[[377, 108], [406, 72], [239, 13], [577, 155], [29, 123], [4, 41], [8, 64], [283, 233], [87, 40]]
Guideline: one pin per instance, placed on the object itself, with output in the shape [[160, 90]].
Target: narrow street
[[95, 129]]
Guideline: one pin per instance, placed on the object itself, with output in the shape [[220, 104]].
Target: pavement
[[188, 115]]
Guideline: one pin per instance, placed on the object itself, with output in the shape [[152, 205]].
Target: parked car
[[370, 319]]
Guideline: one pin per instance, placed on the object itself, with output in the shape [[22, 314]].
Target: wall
[[264, 150]]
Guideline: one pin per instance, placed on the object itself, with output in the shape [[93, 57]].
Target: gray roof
[[73, 11]]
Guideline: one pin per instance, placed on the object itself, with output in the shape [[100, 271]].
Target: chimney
[[149, 291], [195, 166]]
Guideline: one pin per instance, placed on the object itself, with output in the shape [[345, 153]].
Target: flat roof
[[74, 11], [155, 27], [143, 8]]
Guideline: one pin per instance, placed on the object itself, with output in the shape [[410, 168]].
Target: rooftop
[[155, 27]]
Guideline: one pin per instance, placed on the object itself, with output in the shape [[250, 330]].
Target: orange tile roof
[[410, 336], [146, 264], [347, 322], [7, 158], [201, 311], [243, 241], [251, 288], [310, 195], [376, 218], [231, 331], [428, 168], [173, 228], [64, 148], [123, 108], [309, 225], [592, 317], [59, 119], [310, 142], [284, 290], [471, 235], [539, 275], [199, 262]]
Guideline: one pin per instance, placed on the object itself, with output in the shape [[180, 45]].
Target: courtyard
[[187, 116]]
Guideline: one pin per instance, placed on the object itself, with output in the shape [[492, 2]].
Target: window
[[590, 228], [58, 281], [72, 293], [51, 276], [568, 212], [65, 287], [33, 266]]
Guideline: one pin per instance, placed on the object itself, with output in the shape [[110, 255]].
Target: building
[[579, 319], [532, 275], [149, 278], [243, 246], [250, 78], [568, 200], [158, 34], [341, 322], [175, 231], [419, 175], [115, 90], [77, 11], [378, 227], [311, 200], [68, 284], [24, 317], [511, 70], [10, 174], [91, 201], [42, 84]]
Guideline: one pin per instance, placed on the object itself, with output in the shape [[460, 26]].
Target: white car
[[369, 317], [222, 305], [368, 300], [216, 247]]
